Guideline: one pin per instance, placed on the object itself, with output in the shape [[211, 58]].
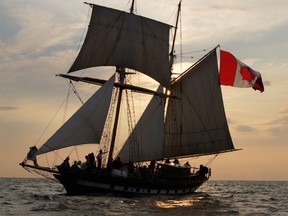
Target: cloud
[[232, 23], [8, 108], [37, 40], [9, 25], [275, 130], [244, 128], [266, 83], [38, 29], [279, 125], [284, 111], [228, 7], [281, 119]]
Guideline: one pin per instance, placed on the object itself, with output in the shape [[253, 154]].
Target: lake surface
[[44, 197]]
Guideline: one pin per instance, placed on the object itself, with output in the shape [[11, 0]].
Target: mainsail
[[86, 125], [196, 123], [145, 141], [117, 38]]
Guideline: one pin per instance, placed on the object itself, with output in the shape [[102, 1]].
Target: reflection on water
[[169, 204], [179, 202]]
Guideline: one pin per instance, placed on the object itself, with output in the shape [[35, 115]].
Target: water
[[44, 197]]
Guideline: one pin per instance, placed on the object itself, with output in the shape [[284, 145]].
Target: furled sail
[[196, 123], [117, 38], [86, 125], [146, 140]]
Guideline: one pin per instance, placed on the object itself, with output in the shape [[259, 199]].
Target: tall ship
[[183, 119]]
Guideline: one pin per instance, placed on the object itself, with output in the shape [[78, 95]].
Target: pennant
[[235, 73]]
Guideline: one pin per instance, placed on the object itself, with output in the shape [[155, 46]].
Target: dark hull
[[103, 182]]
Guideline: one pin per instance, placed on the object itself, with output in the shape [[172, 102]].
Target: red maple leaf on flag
[[246, 74]]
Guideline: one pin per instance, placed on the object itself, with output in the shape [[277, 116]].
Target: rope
[[75, 91], [83, 33], [50, 121], [208, 164]]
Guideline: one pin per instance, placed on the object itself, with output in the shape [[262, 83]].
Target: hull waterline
[[80, 183]]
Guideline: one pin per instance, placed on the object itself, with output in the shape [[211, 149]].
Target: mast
[[121, 72], [132, 7], [172, 56]]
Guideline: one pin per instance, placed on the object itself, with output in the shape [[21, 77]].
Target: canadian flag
[[235, 73]]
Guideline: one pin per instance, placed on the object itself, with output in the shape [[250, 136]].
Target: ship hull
[[77, 183]]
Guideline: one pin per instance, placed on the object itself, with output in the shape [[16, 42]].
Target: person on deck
[[203, 170], [91, 161], [31, 155], [176, 162], [76, 166], [117, 164], [167, 161], [66, 163], [99, 158], [188, 168], [187, 165]]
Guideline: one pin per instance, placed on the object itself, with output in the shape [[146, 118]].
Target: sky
[[39, 39]]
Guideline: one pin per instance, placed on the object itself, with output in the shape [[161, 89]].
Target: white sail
[[117, 38], [146, 140], [196, 123], [86, 125]]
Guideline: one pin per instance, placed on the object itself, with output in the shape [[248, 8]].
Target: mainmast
[[132, 7], [172, 56]]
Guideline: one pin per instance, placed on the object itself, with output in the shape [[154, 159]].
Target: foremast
[[122, 76]]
